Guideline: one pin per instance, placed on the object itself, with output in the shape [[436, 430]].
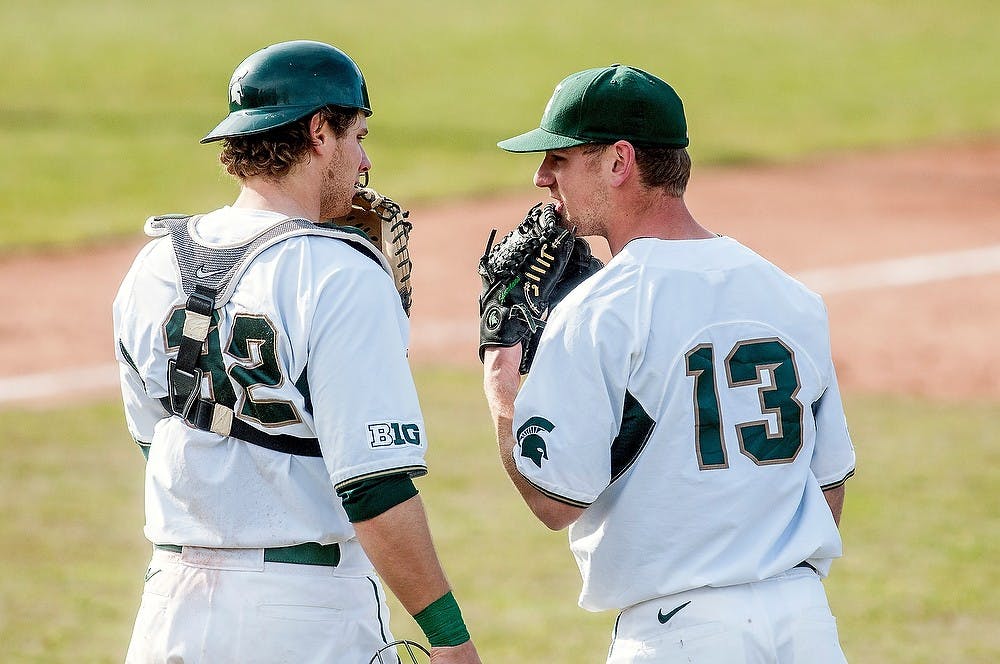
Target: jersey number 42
[[253, 355]]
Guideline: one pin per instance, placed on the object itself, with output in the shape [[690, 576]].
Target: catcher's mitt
[[537, 261], [387, 226]]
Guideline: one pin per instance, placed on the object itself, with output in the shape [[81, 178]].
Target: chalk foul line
[[904, 271]]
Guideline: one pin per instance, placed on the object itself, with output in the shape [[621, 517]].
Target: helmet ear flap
[[286, 82]]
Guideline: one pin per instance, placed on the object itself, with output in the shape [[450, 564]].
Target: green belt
[[309, 553]]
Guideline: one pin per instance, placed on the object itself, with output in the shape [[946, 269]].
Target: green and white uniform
[[312, 344], [686, 396]]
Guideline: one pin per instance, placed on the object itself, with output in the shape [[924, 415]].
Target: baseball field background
[[855, 143]]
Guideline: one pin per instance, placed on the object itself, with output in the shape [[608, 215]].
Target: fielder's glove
[[386, 225], [524, 276], [581, 265]]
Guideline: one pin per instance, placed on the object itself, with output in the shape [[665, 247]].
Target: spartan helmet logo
[[529, 437], [493, 319], [236, 89]]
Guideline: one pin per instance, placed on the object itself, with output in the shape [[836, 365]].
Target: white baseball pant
[[782, 620], [211, 606]]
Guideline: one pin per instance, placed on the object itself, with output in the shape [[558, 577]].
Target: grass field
[[916, 586], [103, 101]]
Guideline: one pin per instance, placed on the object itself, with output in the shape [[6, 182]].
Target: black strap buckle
[[202, 301], [184, 388]]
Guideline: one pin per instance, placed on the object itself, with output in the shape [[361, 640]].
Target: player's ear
[[622, 162], [316, 124]]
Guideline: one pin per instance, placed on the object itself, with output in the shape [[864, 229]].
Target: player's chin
[[566, 217]]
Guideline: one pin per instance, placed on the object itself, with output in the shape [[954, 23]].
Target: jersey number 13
[[761, 441]]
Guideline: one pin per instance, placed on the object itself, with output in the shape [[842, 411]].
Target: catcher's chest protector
[[208, 276]]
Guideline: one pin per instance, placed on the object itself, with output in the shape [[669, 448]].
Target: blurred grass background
[[103, 102], [916, 586]]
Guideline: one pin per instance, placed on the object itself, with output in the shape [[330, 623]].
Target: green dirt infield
[[104, 101], [916, 585]]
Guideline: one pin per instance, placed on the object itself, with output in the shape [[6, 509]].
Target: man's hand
[[463, 654]]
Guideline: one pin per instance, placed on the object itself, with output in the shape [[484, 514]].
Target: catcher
[[279, 474]]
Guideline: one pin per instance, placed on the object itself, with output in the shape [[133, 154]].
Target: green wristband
[[441, 622]]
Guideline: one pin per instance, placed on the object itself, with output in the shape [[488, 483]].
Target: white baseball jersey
[[312, 344], [686, 395]]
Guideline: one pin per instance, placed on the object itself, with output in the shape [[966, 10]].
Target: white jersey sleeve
[[142, 412], [367, 414], [579, 382], [833, 458]]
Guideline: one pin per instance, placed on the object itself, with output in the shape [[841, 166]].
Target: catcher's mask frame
[[405, 644]]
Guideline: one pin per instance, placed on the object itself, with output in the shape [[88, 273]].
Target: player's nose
[[543, 176]]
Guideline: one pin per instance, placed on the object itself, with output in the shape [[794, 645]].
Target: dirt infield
[[935, 338]]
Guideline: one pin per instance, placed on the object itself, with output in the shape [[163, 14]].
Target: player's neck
[[276, 196], [663, 218]]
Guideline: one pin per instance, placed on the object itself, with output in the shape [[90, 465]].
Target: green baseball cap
[[604, 105]]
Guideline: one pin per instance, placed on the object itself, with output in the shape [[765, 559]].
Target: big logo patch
[[386, 434]]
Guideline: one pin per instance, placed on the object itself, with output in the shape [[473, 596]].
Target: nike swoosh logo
[[663, 618], [202, 273]]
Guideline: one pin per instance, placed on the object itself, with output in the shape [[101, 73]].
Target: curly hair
[[273, 153]]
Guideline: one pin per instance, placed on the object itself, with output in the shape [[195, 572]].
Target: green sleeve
[[368, 498]]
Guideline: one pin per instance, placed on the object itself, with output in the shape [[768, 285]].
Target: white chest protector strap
[[208, 276]]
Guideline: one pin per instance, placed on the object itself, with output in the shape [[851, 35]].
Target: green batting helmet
[[286, 82]]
